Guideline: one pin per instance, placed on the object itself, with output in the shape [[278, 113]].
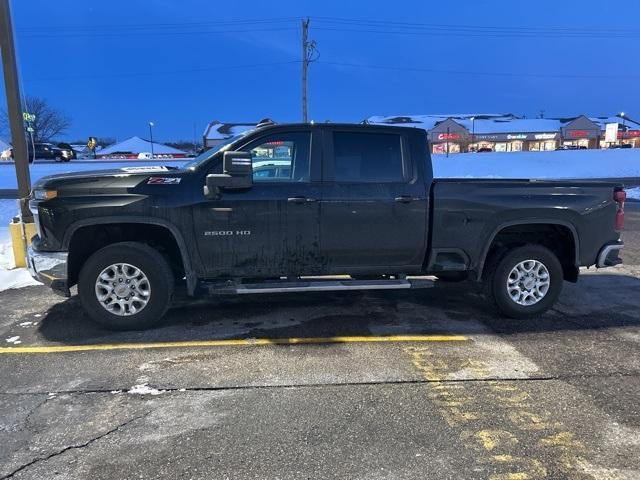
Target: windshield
[[207, 154]]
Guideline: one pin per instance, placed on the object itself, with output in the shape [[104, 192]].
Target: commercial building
[[456, 133], [509, 133]]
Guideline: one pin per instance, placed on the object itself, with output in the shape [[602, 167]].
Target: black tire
[[497, 276], [149, 261], [452, 277], [58, 159]]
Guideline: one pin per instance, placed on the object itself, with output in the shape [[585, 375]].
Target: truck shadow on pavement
[[596, 302]]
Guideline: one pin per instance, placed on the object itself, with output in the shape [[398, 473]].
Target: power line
[[508, 29], [139, 26], [478, 34], [152, 33], [472, 73], [162, 72]]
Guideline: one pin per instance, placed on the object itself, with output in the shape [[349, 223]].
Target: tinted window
[[368, 157], [281, 157]]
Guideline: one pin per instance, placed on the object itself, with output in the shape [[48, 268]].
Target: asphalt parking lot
[[388, 385]]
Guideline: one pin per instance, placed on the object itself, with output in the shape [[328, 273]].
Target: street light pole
[[473, 130], [14, 104], [151, 135]]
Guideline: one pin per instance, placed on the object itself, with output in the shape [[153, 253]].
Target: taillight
[[620, 196]]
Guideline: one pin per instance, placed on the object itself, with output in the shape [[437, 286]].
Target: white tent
[[5, 150], [136, 146]]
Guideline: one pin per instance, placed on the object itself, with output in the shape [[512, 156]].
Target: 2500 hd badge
[[226, 233]]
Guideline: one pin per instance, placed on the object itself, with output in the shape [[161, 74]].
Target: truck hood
[[123, 177]]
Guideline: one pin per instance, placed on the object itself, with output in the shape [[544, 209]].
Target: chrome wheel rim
[[123, 289], [528, 282]]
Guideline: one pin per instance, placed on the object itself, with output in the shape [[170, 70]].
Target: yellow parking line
[[231, 343]]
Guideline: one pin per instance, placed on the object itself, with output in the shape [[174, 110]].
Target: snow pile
[[14, 340], [144, 389], [633, 193], [616, 163], [10, 277]]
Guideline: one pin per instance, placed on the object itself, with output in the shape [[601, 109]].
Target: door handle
[[300, 200], [404, 199]]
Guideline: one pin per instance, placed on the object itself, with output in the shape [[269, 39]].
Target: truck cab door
[[374, 209], [271, 229]]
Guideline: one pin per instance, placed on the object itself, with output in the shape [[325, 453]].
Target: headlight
[[66, 153], [44, 194]]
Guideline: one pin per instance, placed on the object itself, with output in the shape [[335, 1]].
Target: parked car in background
[[68, 149], [49, 151]]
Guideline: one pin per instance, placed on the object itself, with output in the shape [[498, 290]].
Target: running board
[[315, 286]]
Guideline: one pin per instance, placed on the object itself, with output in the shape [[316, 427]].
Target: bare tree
[[49, 121]]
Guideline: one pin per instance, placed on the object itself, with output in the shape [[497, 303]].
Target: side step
[[284, 286]]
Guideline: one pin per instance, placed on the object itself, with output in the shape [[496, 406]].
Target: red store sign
[[578, 133], [449, 136], [629, 134]]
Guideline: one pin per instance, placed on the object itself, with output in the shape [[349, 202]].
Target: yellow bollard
[[21, 235]]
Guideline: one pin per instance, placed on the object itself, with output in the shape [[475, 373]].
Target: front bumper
[[50, 268], [608, 256]]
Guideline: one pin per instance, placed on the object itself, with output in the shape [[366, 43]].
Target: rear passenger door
[[373, 213]]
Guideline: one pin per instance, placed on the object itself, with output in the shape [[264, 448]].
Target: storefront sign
[[545, 136], [581, 134], [630, 134], [611, 132], [449, 136], [506, 137]]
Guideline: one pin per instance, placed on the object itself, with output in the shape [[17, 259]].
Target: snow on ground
[[541, 165], [144, 389], [10, 277], [633, 193]]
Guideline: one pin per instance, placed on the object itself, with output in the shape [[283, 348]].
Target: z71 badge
[[163, 180]]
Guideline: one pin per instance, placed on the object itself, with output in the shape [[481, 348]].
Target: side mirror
[[238, 174]]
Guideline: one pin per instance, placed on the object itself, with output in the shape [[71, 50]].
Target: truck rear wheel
[[525, 282], [126, 286]]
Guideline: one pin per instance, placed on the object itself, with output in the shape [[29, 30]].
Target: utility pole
[[305, 66], [309, 55], [14, 105], [151, 135]]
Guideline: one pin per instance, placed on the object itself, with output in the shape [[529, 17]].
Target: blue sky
[[114, 66]]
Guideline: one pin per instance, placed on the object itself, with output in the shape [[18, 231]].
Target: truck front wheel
[[126, 286], [525, 282]]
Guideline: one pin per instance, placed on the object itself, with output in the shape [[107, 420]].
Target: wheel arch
[[570, 274], [190, 275]]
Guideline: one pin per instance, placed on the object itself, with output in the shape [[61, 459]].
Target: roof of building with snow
[[602, 121], [485, 123], [480, 123], [139, 145]]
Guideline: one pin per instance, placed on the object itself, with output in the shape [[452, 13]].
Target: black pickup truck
[[312, 207]]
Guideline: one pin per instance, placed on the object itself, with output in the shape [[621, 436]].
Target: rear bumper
[[608, 256], [50, 268]]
